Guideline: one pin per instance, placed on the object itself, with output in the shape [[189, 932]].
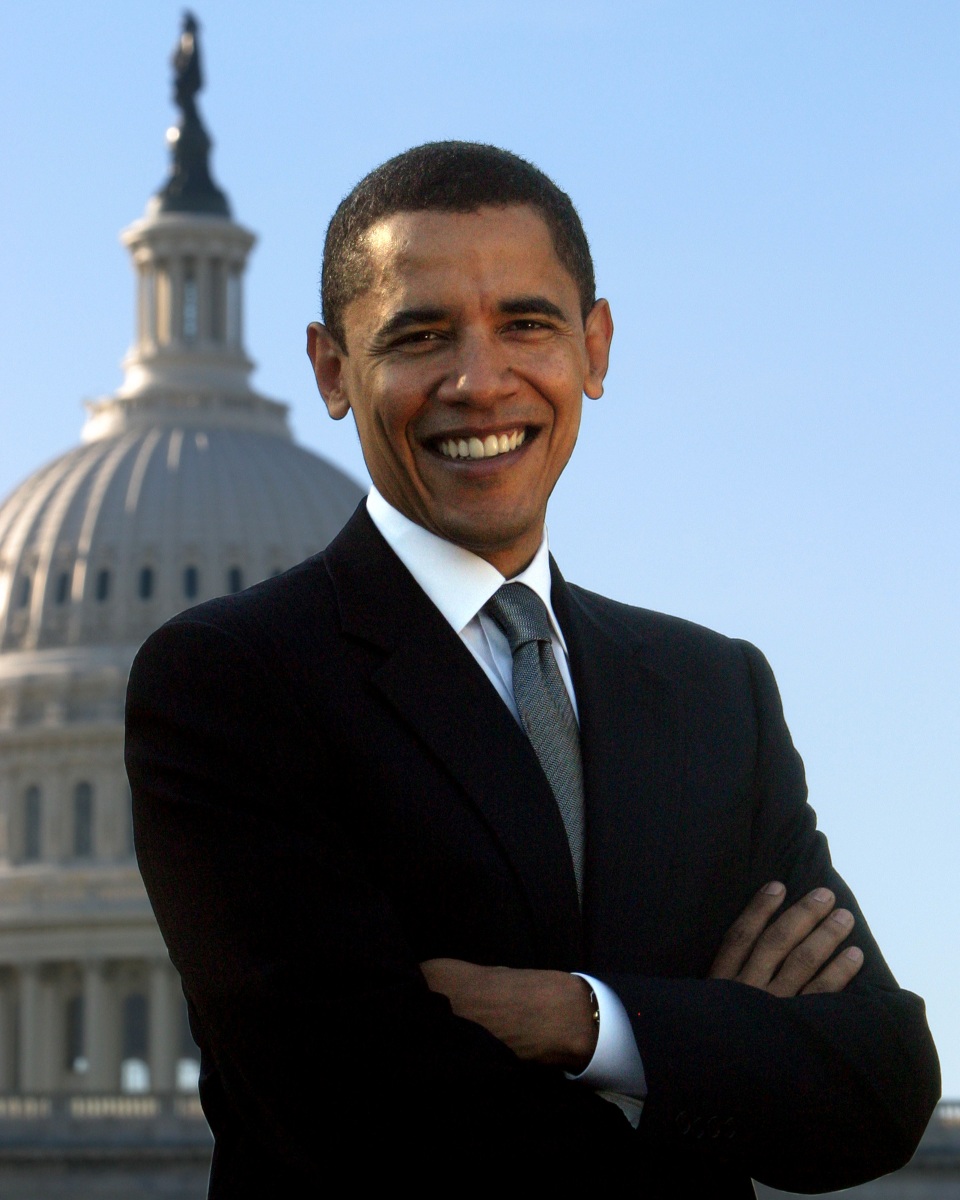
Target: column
[[50, 1051], [100, 1031], [30, 1031], [163, 302], [142, 309], [149, 340], [163, 1026]]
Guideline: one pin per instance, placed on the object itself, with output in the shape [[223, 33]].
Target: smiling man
[[466, 869], [464, 363]]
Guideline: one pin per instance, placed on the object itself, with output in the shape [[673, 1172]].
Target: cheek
[[390, 431], [567, 403]]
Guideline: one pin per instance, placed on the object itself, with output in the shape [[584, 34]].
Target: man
[[514, 881]]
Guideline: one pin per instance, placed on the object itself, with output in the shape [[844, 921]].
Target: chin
[[491, 539]]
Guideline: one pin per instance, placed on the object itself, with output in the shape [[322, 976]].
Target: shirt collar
[[457, 581]]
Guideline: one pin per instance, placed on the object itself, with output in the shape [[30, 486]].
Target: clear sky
[[771, 191]]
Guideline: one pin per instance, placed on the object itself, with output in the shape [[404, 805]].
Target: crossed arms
[[546, 1016]]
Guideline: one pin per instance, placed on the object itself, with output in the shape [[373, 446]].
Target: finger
[[803, 963], [836, 974], [786, 933], [742, 935]]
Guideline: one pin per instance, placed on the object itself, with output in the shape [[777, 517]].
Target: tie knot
[[521, 614]]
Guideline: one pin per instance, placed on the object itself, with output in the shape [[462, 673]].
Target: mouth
[[474, 447]]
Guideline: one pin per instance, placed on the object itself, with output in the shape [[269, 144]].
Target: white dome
[[109, 540]]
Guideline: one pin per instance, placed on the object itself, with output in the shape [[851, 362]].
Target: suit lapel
[[436, 688], [630, 731]]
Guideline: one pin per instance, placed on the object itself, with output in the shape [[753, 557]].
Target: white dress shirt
[[460, 583]]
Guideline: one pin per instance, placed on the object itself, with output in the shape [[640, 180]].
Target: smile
[[488, 447]]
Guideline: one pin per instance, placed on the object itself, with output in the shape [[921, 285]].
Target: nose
[[479, 373]]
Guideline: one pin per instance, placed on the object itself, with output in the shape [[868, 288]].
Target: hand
[[794, 955], [543, 1016]]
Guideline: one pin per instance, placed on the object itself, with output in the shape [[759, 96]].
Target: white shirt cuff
[[616, 1065]]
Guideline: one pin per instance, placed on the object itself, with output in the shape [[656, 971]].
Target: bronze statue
[[187, 78], [190, 187]]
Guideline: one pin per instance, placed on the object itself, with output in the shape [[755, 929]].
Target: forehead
[[492, 252]]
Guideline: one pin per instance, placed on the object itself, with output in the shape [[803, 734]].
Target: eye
[[529, 325], [415, 339]]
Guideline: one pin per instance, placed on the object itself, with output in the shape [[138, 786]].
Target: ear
[[598, 333], [327, 357]]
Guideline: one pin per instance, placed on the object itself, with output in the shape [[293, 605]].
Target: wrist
[[584, 1027]]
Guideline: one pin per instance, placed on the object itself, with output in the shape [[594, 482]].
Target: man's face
[[467, 359]]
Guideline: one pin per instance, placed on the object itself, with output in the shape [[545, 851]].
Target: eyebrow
[[410, 316], [531, 304], [514, 307]]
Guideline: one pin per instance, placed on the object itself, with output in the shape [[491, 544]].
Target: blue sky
[[771, 191]]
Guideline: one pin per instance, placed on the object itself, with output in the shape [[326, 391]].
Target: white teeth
[[488, 447]]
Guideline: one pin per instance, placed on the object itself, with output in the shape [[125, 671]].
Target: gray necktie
[[544, 705]]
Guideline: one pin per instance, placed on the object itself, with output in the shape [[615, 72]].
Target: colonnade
[[65, 1026]]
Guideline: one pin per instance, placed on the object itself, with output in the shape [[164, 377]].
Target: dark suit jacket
[[328, 791]]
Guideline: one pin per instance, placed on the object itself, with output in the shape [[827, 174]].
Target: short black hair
[[445, 177]]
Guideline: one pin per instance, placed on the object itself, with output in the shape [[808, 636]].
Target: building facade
[[187, 484]]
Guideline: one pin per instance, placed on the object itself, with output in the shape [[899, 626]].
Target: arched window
[[103, 585], [134, 1068], [32, 815], [62, 594], [235, 580], [75, 1060], [24, 598], [83, 821], [191, 582], [145, 586]]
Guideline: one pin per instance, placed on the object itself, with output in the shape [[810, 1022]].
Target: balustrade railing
[[150, 1118]]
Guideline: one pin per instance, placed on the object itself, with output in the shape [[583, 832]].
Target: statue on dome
[[190, 188], [187, 75]]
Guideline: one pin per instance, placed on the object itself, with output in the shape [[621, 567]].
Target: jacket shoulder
[[668, 640], [265, 609], [269, 632]]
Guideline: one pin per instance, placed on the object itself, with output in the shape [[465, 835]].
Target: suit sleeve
[[313, 1018], [806, 1094]]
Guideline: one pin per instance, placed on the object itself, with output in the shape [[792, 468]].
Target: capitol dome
[[187, 484], [160, 510]]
